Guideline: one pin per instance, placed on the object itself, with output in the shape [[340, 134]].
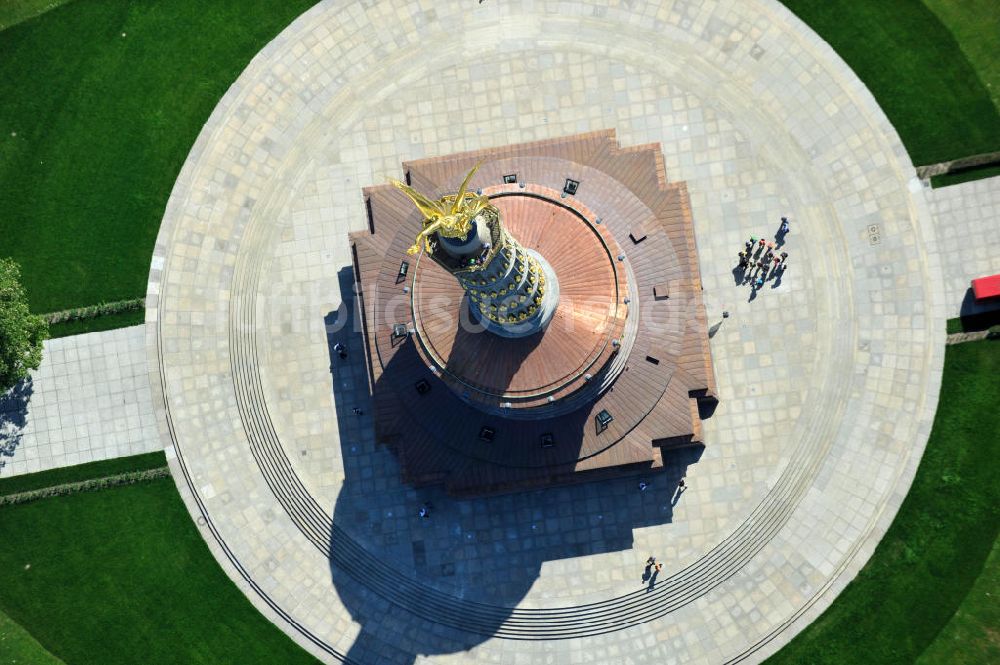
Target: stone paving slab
[[89, 400], [828, 379], [967, 227]]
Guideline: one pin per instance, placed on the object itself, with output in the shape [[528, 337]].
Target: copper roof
[[624, 206]]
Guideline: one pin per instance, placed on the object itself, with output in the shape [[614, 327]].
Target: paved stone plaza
[[828, 380], [89, 400], [966, 218]]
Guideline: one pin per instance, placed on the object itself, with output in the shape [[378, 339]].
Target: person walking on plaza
[[652, 578], [784, 255], [782, 232], [681, 487]]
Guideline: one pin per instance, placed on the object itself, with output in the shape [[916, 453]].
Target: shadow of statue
[[451, 580], [472, 343], [14, 417]]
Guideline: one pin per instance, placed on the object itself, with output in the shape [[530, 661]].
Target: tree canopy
[[21, 332]]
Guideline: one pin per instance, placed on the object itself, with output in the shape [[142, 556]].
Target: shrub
[[21, 332]]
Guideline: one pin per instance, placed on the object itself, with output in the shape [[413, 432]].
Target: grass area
[[122, 576], [967, 175], [972, 636], [17, 647], [973, 323], [94, 127], [914, 67], [13, 12], [927, 566], [97, 324], [72, 474], [976, 27]]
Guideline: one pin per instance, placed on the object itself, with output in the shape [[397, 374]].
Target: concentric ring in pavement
[[828, 381]]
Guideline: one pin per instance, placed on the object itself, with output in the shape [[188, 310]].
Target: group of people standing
[[760, 260]]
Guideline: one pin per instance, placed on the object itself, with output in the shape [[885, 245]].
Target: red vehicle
[[986, 287]]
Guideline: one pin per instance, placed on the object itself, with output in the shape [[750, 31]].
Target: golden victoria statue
[[512, 290], [450, 216]]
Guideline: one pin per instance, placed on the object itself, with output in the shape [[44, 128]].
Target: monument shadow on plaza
[[404, 570]]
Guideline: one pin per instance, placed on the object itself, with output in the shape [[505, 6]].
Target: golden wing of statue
[[448, 216], [430, 209], [460, 198]]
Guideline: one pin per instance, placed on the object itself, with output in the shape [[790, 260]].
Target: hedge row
[[127, 478], [93, 311]]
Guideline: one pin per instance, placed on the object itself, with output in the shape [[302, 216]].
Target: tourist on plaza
[[782, 232], [784, 255]]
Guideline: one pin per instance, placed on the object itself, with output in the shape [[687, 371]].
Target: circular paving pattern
[[828, 379]]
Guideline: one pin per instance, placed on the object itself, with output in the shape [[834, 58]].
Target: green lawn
[[13, 12], [78, 472], [931, 564], [94, 128], [914, 67], [123, 576], [976, 27], [17, 647], [972, 637]]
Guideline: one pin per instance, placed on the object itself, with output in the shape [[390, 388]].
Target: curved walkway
[[828, 381]]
